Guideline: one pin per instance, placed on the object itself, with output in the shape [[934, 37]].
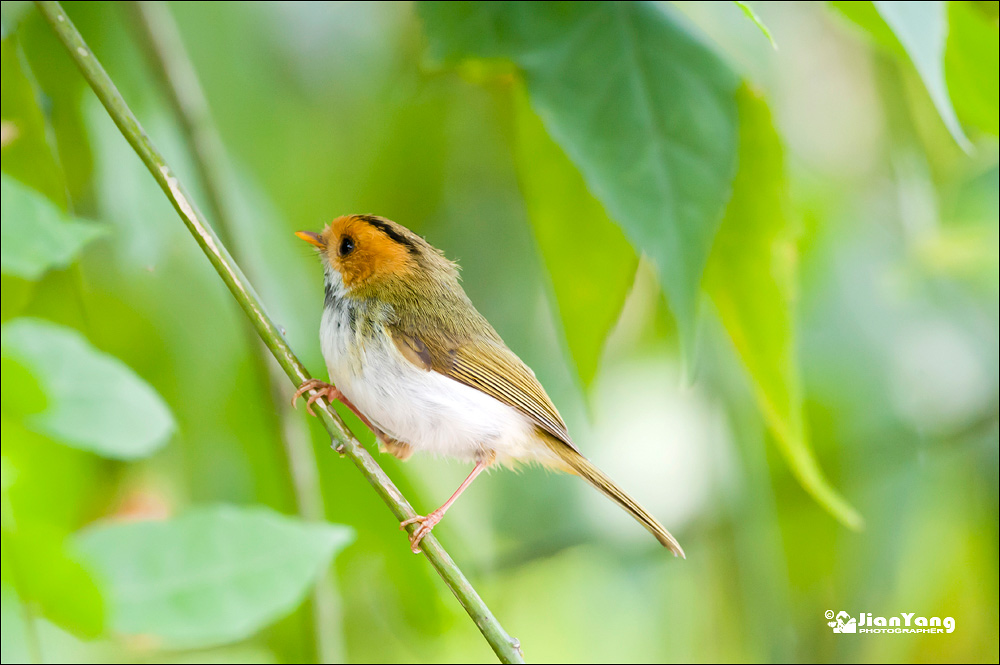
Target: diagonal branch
[[506, 648]]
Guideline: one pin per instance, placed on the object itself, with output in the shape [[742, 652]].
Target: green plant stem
[[506, 648], [160, 40]]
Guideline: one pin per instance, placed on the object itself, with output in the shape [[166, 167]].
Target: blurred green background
[[760, 283]]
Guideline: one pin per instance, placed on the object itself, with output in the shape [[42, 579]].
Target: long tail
[[582, 467]]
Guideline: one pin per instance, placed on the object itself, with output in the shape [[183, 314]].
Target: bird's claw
[[321, 388], [426, 524]]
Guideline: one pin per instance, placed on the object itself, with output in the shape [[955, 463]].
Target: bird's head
[[372, 255]]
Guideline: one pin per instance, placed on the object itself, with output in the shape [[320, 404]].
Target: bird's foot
[[426, 524], [332, 394], [321, 388]]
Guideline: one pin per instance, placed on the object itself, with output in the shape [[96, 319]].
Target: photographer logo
[[906, 622]]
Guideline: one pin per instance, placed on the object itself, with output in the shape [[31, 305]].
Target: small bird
[[411, 356]]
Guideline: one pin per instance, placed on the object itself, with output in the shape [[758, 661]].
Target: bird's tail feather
[[581, 466]]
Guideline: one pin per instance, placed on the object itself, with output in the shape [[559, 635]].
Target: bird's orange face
[[363, 249]]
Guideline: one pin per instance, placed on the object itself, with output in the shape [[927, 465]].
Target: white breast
[[424, 409]]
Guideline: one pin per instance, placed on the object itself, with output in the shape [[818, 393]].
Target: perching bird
[[413, 358]]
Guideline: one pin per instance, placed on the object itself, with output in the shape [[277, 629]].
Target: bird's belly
[[427, 410]]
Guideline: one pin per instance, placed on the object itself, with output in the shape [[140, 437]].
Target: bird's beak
[[311, 238]]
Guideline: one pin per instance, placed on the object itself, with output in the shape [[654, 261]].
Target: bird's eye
[[346, 245]]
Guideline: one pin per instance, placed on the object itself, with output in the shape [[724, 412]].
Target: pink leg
[[427, 523]]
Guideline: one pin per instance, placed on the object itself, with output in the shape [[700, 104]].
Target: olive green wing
[[489, 366]]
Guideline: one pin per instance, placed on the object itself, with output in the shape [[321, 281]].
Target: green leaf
[[866, 16], [22, 395], [47, 573], [922, 27], [972, 65], [36, 235], [93, 401], [750, 277], [11, 13], [25, 145], [13, 642], [212, 576], [643, 109], [590, 262], [917, 32], [752, 15]]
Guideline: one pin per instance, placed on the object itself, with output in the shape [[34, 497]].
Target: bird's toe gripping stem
[[426, 524], [321, 389]]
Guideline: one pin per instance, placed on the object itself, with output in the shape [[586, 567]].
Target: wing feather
[[489, 366]]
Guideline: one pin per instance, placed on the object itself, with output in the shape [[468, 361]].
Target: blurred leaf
[[972, 65], [36, 235], [25, 147], [13, 645], [644, 110], [59, 90], [212, 576], [916, 31], [37, 562], [94, 402], [590, 262], [11, 13], [922, 27], [55, 484], [752, 15], [867, 17], [21, 395], [751, 278], [59, 646]]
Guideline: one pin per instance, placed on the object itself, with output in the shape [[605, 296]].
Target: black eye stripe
[[346, 246], [391, 233]]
